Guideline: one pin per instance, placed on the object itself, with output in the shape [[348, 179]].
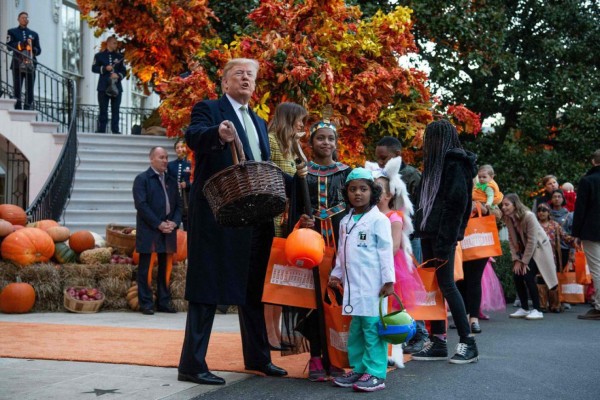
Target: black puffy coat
[[452, 205]]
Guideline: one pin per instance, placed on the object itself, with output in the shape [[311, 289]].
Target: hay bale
[[177, 289], [180, 305], [121, 272], [45, 279], [8, 273], [78, 275], [115, 292]]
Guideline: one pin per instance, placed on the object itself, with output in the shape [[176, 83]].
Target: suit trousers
[[18, 79], [115, 103], [144, 280], [200, 317]]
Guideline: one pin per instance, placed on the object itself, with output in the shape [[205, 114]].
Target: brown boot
[[543, 293], [554, 299]]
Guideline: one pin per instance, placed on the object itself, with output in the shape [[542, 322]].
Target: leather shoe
[[269, 369], [167, 309], [203, 378], [147, 311]]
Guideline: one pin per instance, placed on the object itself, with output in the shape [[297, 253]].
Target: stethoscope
[[348, 308]]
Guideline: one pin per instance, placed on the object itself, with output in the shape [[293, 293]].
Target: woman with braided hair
[[441, 219]]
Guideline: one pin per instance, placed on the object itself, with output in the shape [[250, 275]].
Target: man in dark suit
[[225, 265], [158, 215], [25, 45], [110, 65], [586, 227]]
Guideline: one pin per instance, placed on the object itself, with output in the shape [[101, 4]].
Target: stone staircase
[[104, 177]]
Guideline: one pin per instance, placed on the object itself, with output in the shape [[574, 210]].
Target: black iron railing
[[130, 118], [55, 101]]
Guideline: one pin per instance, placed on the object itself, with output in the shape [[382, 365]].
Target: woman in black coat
[[444, 209]]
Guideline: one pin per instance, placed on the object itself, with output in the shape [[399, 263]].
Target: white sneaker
[[520, 313], [534, 314], [567, 306]]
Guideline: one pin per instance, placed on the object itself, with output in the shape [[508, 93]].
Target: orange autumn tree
[[314, 53], [158, 36]]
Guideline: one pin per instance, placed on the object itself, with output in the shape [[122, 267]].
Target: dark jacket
[[412, 178], [104, 59], [149, 199], [452, 205], [181, 171], [586, 219], [18, 36], [219, 263]]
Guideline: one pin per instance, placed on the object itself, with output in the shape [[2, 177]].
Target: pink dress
[[408, 282]]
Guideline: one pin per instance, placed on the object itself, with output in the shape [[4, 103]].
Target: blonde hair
[[234, 62], [487, 168]]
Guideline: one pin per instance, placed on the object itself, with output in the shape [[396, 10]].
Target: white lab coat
[[365, 261]]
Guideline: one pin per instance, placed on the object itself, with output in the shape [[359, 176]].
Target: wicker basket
[[81, 306], [247, 192], [119, 241]]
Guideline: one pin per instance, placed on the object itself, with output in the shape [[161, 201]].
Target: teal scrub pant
[[367, 352]]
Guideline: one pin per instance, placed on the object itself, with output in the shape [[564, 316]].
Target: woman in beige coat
[[531, 253]]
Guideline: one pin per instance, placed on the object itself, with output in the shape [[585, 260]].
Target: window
[[71, 35]]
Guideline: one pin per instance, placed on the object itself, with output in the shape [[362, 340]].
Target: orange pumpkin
[[17, 298], [27, 246], [81, 241], [6, 228], [13, 214], [304, 248], [43, 224], [59, 233], [181, 254]]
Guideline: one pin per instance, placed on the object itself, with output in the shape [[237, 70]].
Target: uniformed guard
[[25, 45], [110, 65]]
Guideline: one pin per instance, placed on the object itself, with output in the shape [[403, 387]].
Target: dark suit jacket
[[19, 35], [104, 59], [586, 218], [219, 259], [150, 203]]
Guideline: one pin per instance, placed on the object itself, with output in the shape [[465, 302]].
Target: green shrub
[[503, 267]]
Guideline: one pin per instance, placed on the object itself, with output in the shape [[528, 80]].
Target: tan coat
[[537, 246]]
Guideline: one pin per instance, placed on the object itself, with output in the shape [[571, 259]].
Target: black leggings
[[526, 283], [445, 278], [470, 287]]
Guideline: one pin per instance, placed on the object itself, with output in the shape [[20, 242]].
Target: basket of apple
[[79, 299]]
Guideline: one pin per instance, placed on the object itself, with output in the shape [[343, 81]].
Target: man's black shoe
[[167, 309], [269, 369], [203, 378], [147, 311]]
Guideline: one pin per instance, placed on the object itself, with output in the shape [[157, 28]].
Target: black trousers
[[470, 287], [115, 103], [526, 283], [18, 79], [200, 317], [144, 290], [445, 278]]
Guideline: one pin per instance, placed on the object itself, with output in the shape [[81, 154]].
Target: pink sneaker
[[316, 372]]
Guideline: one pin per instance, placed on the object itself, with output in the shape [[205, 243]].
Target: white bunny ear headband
[[391, 171]]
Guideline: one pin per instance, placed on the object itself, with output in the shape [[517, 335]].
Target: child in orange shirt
[[486, 190]]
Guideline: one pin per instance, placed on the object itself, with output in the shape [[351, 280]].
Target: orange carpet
[[106, 344], [154, 347]]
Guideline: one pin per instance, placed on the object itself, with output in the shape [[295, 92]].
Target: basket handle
[[237, 149], [380, 311]]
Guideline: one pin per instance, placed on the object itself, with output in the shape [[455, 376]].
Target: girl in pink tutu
[[395, 204]]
